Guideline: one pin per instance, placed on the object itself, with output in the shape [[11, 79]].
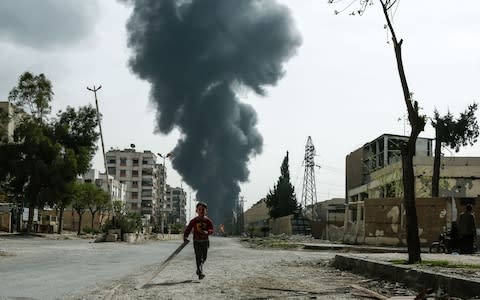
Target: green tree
[[453, 133], [417, 123], [282, 201], [84, 193], [31, 99], [76, 131], [46, 154], [98, 203], [33, 95]]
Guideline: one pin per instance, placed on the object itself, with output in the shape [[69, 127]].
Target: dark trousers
[[466, 244], [201, 250]]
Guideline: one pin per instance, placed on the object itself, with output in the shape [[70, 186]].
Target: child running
[[202, 227]]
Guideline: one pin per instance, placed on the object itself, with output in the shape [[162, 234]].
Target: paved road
[[49, 269]]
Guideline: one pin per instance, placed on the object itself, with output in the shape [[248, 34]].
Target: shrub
[[131, 222]]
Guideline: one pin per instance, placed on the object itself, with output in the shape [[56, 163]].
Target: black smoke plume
[[196, 54]]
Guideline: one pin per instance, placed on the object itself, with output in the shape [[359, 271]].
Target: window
[[146, 203], [135, 162], [135, 173], [134, 205], [147, 171], [134, 184], [112, 170], [123, 161], [111, 160], [353, 214], [123, 173], [147, 183], [134, 195], [145, 162]]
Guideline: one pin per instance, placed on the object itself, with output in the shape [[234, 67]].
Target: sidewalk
[[376, 262]]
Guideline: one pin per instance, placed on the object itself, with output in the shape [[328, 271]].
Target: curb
[[412, 278], [354, 248]]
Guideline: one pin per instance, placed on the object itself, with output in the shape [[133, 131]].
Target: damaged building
[[374, 212]]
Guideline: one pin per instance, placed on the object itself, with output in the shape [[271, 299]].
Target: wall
[[384, 220], [257, 215], [282, 225], [70, 220], [5, 221], [354, 169]]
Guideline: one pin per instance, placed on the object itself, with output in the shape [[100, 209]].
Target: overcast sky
[[341, 88]]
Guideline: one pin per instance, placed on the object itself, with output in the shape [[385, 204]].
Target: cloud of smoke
[[195, 54]]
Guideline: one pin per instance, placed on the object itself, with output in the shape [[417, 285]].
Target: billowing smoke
[[196, 54]]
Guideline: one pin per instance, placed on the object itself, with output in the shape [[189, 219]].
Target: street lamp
[[164, 191]]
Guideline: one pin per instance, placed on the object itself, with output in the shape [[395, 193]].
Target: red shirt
[[199, 225]]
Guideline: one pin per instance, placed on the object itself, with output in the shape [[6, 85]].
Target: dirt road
[[38, 268], [236, 272]]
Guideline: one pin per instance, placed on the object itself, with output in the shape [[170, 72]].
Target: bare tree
[[417, 123]]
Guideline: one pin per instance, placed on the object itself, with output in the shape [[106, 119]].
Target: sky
[[341, 87]]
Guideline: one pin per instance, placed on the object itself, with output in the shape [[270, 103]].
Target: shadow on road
[[168, 283]]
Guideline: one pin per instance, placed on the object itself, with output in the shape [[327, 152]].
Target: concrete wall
[[354, 169], [281, 225], [257, 215], [5, 221], [70, 220], [354, 226], [384, 220]]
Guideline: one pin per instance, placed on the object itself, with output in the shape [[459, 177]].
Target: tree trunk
[[31, 210], [417, 124], [93, 217], [413, 241], [436, 165], [79, 223], [60, 220]]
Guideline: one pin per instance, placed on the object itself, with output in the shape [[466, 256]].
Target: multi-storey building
[[364, 164], [118, 191], [177, 198], [139, 172]]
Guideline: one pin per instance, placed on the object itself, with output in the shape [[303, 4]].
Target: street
[[80, 269]]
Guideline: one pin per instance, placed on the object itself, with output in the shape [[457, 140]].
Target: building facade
[[140, 173], [364, 165], [374, 191], [177, 198], [118, 191]]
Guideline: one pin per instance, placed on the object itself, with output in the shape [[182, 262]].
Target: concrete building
[[118, 191], [139, 172], [363, 164], [177, 198], [374, 180]]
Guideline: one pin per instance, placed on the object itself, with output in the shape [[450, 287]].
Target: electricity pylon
[[309, 193]]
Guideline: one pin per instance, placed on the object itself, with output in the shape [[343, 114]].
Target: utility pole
[[162, 222], [94, 90], [241, 220]]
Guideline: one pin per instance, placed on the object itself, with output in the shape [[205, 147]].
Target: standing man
[[467, 230], [202, 227]]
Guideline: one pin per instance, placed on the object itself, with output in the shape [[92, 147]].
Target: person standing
[[467, 230], [202, 227]]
